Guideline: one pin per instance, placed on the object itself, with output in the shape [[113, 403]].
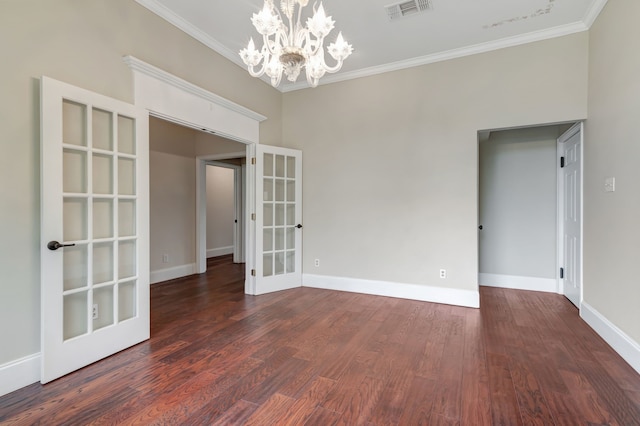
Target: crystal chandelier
[[289, 49]]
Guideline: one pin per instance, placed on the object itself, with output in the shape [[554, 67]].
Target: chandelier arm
[[306, 40], [333, 69], [269, 45], [265, 61], [313, 82]]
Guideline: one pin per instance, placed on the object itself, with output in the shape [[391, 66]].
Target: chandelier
[[289, 49]]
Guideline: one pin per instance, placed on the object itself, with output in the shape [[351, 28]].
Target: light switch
[[609, 184]]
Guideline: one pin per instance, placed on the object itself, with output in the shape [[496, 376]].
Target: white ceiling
[[453, 28]]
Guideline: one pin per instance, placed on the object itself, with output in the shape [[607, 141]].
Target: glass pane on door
[[99, 216], [279, 214]]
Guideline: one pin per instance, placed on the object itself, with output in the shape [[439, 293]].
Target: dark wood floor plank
[[304, 406], [447, 406], [319, 357], [238, 414], [269, 412], [504, 402], [362, 402], [418, 402], [476, 408], [531, 401], [322, 417]]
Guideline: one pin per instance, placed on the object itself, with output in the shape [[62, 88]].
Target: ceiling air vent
[[406, 8]]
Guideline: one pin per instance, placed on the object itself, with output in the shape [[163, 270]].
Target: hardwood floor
[[318, 357]]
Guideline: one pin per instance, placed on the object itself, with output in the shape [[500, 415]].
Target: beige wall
[[611, 232], [172, 194], [81, 42], [391, 161], [220, 207]]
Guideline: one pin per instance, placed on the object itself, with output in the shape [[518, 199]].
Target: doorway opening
[[176, 235], [520, 208], [220, 207]]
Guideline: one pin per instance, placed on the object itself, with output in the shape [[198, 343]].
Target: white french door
[[94, 227], [570, 148], [278, 201]]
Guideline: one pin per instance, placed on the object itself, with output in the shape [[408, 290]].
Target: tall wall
[[82, 43], [391, 161], [612, 149]]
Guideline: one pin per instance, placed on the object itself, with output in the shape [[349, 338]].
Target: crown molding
[[140, 66], [593, 12], [559, 31], [531, 37], [195, 32]]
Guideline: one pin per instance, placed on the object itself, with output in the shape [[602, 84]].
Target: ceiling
[[449, 29]]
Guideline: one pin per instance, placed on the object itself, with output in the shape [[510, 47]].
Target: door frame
[[173, 99], [239, 188], [483, 135], [578, 127]]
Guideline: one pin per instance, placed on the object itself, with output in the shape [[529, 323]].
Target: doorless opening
[[518, 206]]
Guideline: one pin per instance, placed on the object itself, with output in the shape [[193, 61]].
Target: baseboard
[[160, 275], [624, 345], [220, 251], [449, 296], [518, 282], [19, 373]]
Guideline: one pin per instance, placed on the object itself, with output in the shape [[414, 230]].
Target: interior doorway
[[518, 208], [174, 151], [226, 197]]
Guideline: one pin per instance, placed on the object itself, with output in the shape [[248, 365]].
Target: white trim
[[19, 373], [624, 345], [178, 21], [449, 296], [593, 12], [159, 9], [578, 127], [220, 251], [147, 69], [549, 285], [174, 99], [160, 275], [489, 46], [179, 101]]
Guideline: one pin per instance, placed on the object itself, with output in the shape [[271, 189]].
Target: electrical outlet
[[165, 258], [317, 263], [95, 311], [443, 273]]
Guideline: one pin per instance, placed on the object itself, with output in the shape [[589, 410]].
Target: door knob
[[480, 227], [54, 245], [298, 226]]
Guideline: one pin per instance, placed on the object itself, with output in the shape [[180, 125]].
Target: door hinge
[[253, 216], [253, 160], [253, 272], [561, 273], [561, 162]]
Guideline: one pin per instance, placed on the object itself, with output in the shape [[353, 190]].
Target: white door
[[94, 227], [278, 217], [570, 147]]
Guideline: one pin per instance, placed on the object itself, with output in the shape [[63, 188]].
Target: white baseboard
[[518, 282], [220, 251], [449, 296], [160, 275], [19, 373], [624, 345]]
